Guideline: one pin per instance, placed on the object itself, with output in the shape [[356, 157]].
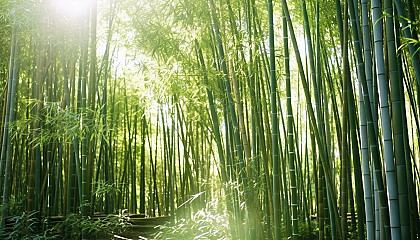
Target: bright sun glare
[[71, 8]]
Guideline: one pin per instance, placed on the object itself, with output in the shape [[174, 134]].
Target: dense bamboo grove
[[293, 119]]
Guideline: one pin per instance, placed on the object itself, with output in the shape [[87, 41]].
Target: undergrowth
[[27, 226]]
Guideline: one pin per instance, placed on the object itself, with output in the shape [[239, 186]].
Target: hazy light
[[70, 8]]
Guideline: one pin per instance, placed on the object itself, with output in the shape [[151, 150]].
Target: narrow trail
[[142, 227]]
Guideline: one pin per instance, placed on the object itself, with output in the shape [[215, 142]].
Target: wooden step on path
[[142, 227]]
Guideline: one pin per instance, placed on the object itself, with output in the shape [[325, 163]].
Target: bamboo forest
[[210, 119]]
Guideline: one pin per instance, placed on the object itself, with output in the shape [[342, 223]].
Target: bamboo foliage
[[172, 107]]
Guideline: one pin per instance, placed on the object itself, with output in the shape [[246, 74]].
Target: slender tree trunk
[[13, 73], [274, 124], [344, 152]]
